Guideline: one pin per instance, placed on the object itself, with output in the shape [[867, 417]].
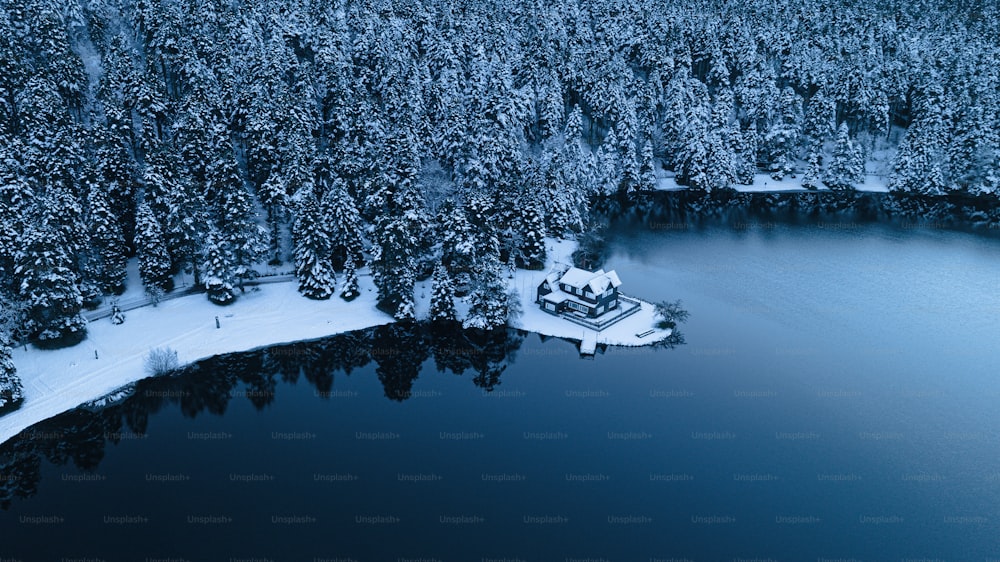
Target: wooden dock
[[588, 346]]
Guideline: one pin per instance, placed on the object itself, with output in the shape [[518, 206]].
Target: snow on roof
[[556, 297], [576, 277], [613, 277], [598, 281]]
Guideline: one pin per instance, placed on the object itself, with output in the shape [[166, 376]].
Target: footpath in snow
[[113, 356]]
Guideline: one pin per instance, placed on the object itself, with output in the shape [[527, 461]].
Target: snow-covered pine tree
[[350, 289], [552, 107], [273, 194], [247, 240], [841, 173], [609, 165], [693, 166], [811, 177], [819, 120], [488, 301], [531, 231], [48, 287], [818, 124], [107, 241], [116, 166], [343, 223], [561, 195], [442, 296], [11, 391], [176, 201], [647, 167], [918, 165], [154, 261], [15, 197], [312, 251], [627, 131], [782, 137], [858, 157], [393, 266], [458, 247], [744, 154], [401, 233], [218, 267]]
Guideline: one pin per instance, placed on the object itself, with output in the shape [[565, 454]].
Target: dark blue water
[[836, 398]]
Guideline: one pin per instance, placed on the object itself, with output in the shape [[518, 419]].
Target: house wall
[[593, 301]]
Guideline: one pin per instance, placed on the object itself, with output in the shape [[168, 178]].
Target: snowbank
[[58, 380], [114, 355]]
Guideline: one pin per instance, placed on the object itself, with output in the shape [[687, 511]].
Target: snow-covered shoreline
[[113, 356], [764, 183]]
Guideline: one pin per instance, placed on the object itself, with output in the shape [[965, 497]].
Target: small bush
[[161, 361], [670, 313]]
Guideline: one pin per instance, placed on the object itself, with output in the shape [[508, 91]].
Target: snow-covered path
[[59, 380]]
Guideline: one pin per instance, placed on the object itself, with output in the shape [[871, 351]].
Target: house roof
[[576, 277], [555, 297], [598, 281]]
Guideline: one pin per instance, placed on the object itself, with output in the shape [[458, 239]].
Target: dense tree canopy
[[209, 137]]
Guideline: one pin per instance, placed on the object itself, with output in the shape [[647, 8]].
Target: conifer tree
[[247, 240], [312, 251], [531, 253], [350, 289], [218, 265], [841, 174], [784, 134], [154, 261], [107, 240], [647, 167], [610, 166], [48, 287], [488, 300], [343, 222], [811, 177], [442, 296], [15, 198], [11, 391]]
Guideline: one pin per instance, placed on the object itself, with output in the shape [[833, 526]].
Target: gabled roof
[[576, 277], [555, 297], [598, 281], [554, 274]]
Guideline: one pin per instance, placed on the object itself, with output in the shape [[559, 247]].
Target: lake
[[836, 398]]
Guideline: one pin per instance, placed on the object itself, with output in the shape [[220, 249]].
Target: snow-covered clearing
[[59, 380]]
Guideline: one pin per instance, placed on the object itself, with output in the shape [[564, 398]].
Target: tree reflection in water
[[398, 351]]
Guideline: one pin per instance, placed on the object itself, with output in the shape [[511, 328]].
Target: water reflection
[[398, 352]]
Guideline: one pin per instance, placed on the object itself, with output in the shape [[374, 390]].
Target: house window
[[614, 303], [600, 309], [550, 306], [576, 306]]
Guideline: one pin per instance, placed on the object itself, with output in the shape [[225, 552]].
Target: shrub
[[670, 313], [161, 361]]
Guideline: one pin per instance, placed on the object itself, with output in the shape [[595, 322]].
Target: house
[[578, 291]]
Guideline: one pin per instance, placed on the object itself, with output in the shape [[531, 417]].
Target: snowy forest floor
[[764, 183], [113, 356]]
